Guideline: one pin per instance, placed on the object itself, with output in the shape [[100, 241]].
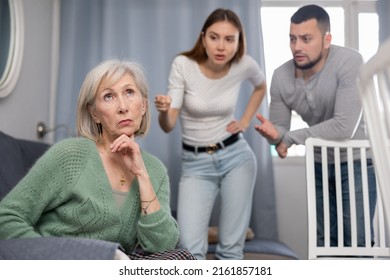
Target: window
[[353, 24]]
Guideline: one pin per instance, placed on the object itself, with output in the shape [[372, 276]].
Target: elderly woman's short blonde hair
[[113, 70]]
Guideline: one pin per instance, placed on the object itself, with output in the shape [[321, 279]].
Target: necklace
[[123, 181]]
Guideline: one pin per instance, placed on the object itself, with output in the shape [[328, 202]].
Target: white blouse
[[207, 105]]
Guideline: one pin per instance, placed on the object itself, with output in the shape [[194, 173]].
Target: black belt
[[212, 148]]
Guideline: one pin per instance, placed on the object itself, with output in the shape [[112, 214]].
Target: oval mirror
[[11, 44]]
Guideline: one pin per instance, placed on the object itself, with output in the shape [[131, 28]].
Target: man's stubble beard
[[310, 64]]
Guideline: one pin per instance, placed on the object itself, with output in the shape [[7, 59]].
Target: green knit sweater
[[67, 193]]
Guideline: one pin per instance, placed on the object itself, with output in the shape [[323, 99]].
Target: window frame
[[352, 9]]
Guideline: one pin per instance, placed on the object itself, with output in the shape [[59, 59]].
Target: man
[[320, 84]]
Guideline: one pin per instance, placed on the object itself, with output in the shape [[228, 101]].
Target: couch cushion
[[213, 234], [17, 156], [262, 249]]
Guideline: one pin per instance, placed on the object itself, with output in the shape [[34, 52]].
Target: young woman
[[204, 86]]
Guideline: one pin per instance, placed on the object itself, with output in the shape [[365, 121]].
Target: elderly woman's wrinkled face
[[118, 107]]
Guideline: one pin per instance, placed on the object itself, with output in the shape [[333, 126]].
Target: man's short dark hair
[[312, 12]]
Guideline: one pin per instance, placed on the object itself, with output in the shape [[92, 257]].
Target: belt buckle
[[210, 149]]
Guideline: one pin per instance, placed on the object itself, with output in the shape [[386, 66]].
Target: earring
[[100, 132], [139, 131]]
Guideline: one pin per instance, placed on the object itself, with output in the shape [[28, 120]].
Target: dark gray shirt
[[328, 102]]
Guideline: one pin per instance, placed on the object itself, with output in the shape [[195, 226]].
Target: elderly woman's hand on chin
[[130, 153]]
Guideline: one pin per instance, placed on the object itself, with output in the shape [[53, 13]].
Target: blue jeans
[[345, 200], [231, 172]]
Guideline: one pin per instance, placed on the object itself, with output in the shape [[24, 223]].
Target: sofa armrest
[[57, 248]]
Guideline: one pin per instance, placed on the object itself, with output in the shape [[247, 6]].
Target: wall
[[30, 102], [291, 205]]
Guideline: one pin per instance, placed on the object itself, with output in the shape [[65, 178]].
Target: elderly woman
[[100, 185]]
